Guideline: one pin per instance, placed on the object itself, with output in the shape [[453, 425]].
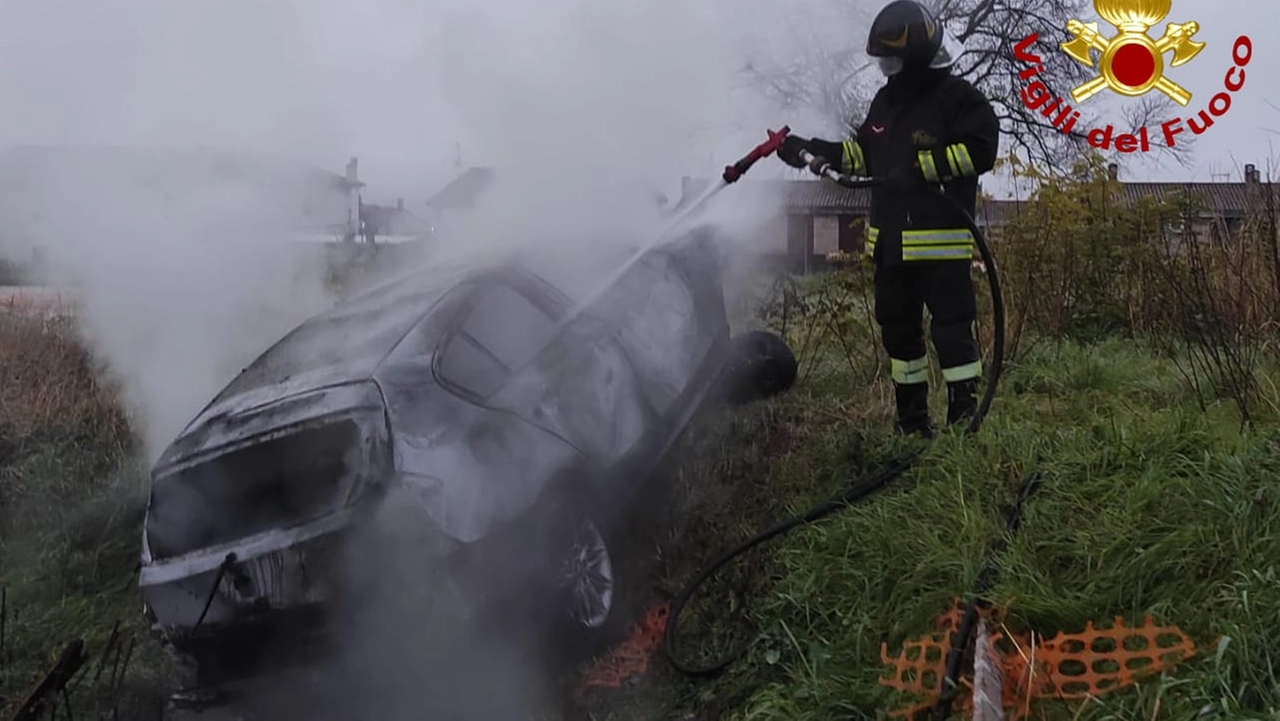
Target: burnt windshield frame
[[535, 295]]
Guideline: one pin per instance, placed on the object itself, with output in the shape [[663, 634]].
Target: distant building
[[390, 223], [1212, 209], [820, 218], [462, 192]]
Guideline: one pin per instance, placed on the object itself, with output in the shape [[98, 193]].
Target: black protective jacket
[[943, 127]]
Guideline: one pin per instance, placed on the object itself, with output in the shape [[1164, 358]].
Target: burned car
[[517, 403]]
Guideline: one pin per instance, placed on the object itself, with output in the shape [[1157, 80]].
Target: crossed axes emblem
[[1133, 19]]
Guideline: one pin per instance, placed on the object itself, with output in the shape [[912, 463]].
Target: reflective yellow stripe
[[942, 244], [906, 372], [927, 166], [964, 163], [853, 160], [938, 252], [953, 161], [937, 237], [962, 373]]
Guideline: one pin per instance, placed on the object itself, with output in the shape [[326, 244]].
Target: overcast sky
[[385, 79]]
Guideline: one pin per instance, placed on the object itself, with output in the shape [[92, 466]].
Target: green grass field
[[1150, 505], [1147, 507], [1153, 502]]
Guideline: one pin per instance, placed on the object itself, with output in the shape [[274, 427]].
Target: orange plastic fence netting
[[1068, 666], [631, 658]]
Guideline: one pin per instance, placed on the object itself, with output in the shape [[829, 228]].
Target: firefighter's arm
[[848, 152], [973, 142]]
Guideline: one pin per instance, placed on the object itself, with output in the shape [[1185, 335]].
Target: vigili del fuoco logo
[[1131, 64]]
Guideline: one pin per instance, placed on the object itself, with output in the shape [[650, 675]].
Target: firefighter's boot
[[962, 401], [913, 409]]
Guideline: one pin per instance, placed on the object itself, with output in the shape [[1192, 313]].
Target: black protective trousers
[[903, 291]]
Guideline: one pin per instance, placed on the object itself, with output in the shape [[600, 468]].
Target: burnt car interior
[[271, 484]]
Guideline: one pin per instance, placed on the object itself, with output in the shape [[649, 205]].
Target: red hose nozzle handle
[[733, 172]]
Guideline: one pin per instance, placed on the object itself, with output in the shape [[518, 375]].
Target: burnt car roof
[[343, 344], [348, 342]]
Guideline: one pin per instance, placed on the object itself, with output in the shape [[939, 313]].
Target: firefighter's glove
[[790, 151], [904, 179]]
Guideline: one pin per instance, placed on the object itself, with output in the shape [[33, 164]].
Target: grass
[[72, 502], [1150, 505]]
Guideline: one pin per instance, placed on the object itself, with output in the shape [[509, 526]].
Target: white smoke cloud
[[584, 110]]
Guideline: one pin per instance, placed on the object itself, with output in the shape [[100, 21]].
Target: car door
[[668, 327]]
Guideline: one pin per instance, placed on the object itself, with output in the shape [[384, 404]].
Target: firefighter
[[924, 126]]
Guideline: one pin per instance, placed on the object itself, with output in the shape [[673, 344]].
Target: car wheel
[[760, 366], [586, 576], [590, 604]]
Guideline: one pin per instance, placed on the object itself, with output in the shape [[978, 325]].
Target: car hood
[[315, 394]]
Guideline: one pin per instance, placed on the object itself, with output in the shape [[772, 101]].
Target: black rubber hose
[[860, 491]]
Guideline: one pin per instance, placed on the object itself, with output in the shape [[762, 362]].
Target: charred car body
[[516, 407]]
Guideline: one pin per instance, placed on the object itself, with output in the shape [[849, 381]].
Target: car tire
[[590, 599], [760, 365]]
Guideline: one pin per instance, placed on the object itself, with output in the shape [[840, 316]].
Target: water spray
[[731, 175]]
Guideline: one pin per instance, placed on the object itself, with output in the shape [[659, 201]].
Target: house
[[458, 196], [392, 223], [1212, 209], [820, 217], [462, 192]]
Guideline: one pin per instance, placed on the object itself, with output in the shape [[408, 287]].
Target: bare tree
[[819, 70], [826, 77]]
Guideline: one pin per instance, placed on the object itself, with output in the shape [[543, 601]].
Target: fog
[[184, 273], [585, 109]]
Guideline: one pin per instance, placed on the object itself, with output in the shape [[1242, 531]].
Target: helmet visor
[[949, 52]]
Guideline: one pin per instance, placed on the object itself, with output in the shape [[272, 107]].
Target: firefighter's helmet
[[906, 34]]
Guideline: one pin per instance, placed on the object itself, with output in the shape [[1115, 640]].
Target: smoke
[[178, 286], [585, 110]]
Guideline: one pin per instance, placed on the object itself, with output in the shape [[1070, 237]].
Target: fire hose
[[876, 481]]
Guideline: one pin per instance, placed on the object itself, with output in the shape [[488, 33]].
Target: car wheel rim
[[588, 577]]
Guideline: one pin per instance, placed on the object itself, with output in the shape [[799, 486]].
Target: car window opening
[[501, 332], [273, 484]]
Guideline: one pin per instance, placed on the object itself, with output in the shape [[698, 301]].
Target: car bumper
[[267, 579]]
